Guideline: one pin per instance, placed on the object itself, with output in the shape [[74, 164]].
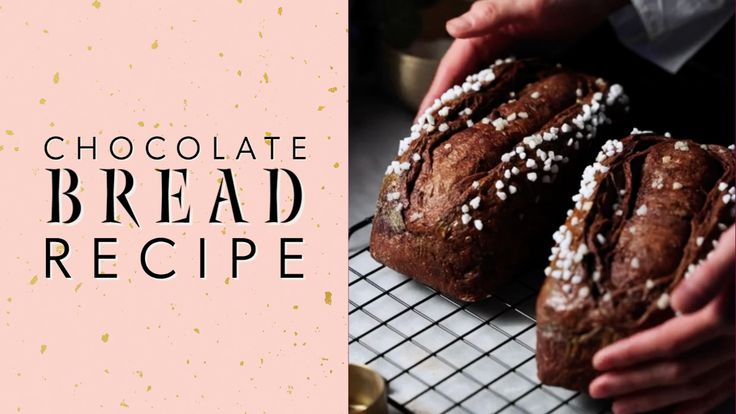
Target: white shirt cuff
[[669, 32]]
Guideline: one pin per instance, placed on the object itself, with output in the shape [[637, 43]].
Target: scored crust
[[649, 209], [487, 171]]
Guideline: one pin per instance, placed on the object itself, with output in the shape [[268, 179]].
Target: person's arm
[[492, 28], [687, 362]]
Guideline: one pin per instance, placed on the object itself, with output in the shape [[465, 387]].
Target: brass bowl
[[409, 72], [366, 391]]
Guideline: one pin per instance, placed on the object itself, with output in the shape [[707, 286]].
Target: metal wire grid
[[441, 355]]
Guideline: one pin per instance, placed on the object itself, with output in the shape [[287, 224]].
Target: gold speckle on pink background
[[143, 69]]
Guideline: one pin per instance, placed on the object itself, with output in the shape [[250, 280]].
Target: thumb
[[709, 278], [463, 57], [485, 16]]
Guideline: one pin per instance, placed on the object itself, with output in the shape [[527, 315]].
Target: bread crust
[[487, 171], [648, 210]]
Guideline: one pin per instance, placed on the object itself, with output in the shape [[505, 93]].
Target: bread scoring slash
[[488, 169], [649, 209]]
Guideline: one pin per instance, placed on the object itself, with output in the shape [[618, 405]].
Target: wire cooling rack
[[441, 355]]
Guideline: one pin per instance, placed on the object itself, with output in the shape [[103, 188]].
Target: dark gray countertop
[[377, 123]]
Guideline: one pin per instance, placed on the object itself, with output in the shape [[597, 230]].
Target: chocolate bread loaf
[[649, 209], [486, 172]]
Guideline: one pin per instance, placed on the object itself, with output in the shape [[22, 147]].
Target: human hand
[[493, 27], [687, 363]]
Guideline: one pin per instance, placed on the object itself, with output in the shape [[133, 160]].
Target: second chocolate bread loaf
[[476, 188], [648, 210]]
